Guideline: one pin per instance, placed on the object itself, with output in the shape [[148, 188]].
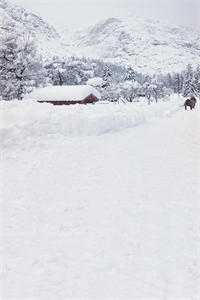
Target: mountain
[[147, 45], [17, 20]]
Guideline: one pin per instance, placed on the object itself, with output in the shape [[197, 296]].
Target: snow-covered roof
[[63, 93]]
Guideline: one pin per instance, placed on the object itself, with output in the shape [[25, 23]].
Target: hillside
[[19, 21], [147, 45]]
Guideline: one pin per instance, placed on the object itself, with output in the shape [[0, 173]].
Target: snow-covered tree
[[130, 74], [189, 84], [20, 68], [56, 71], [107, 76], [178, 83], [196, 80], [130, 90], [68, 71]]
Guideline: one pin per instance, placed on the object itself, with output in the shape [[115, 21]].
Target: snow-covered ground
[[29, 121], [94, 206]]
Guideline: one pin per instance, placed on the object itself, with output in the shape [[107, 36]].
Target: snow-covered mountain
[[147, 45], [17, 20], [15, 17]]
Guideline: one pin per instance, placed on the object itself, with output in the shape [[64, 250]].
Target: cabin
[[66, 95]]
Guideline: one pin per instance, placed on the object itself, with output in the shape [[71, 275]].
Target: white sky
[[79, 13]]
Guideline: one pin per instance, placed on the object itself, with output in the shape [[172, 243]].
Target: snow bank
[[30, 121]]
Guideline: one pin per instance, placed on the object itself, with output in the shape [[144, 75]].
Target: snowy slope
[[19, 21], [114, 216], [147, 45], [31, 121]]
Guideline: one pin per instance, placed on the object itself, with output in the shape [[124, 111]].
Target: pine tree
[[178, 83], [130, 74], [107, 77], [197, 80], [188, 84]]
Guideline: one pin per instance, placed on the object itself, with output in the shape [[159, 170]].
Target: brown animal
[[190, 102]]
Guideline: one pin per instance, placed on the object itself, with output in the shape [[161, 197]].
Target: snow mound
[[29, 121]]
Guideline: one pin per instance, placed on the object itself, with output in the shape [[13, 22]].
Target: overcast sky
[[79, 13]]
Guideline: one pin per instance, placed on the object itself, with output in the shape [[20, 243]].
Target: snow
[[149, 46], [99, 207], [22, 22], [29, 120], [95, 81], [62, 93]]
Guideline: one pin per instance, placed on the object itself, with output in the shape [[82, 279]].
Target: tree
[[130, 74], [107, 77], [69, 71], [178, 83], [56, 71], [130, 90], [188, 84], [196, 80], [20, 69]]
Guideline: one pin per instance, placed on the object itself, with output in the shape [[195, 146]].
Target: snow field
[[28, 120], [101, 216]]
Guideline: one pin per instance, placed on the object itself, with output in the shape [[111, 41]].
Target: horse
[[190, 102]]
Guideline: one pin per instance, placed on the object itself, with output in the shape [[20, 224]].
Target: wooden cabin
[[66, 95]]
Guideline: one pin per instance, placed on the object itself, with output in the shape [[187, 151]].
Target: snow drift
[[30, 121]]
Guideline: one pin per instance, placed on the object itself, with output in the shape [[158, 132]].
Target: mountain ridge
[[19, 21], [147, 45], [31, 22]]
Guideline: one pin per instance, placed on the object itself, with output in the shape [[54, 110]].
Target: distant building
[[65, 95]]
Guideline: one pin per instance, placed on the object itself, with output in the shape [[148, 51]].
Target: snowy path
[[109, 217]]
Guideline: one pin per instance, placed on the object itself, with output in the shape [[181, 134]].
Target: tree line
[[22, 69]]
